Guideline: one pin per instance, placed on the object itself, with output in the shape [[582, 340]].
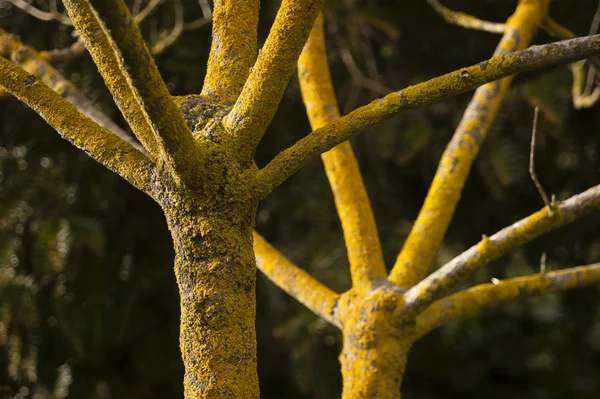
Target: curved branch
[[233, 49], [41, 15], [491, 248], [101, 144], [290, 160], [465, 20], [428, 231], [482, 296], [351, 199], [262, 92], [296, 282]]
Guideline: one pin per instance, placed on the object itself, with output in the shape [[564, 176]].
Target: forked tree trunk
[[216, 274]]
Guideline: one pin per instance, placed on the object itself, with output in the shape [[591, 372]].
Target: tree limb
[[290, 160], [117, 47], [101, 144], [428, 231], [491, 248], [482, 296], [351, 199], [258, 101], [465, 20], [233, 49], [296, 282]]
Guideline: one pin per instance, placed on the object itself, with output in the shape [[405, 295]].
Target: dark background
[[88, 300]]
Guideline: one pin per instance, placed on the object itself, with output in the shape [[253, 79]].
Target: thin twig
[[532, 173], [465, 20], [592, 71], [40, 14], [543, 264]]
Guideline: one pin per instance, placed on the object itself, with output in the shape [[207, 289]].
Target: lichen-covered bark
[[376, 343], [429, 229], [323, 139], [233, 49], [351, 199], [216, 275]]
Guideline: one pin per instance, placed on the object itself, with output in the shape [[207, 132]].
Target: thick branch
[[481, 296], [124, 53], [428, 231], [296, 282], [290, 160], [491, 248], [101, 144], [258, 101], [233, 49]]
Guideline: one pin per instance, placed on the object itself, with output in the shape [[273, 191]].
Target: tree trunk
[[216, 274]]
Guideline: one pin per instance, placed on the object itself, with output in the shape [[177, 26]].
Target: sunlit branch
[[121, 38], [262, 92], [351, 200], [39, 14], [290, 160], [101, 144], [296, 282], [427, 233], [465, 20], [482, 296], [491, 248], [31, 61], [233, 50]]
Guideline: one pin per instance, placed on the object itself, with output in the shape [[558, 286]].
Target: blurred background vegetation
[[88, 300]]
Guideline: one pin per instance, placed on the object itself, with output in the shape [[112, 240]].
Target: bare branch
[[174, 34], [258, 101], [296, 282], [490, 249], [427, 233], [465, 20], [482, 296], [101, 144], [41, 15], [532, 173], [290, 160], [233, 49], [351, 199]]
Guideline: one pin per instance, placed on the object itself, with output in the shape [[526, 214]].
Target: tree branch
[[233, 49], [428, 231], [31, 61], [101, 144], [258, 101], [491, 248], [290, 160], [117, 47], [351, 200], [465, 20], [482, 296], [296, 282]]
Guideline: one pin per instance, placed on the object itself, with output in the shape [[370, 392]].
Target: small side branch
[[323, 139], [41, 15], [482, 296], [465, 20], [429, 229], [260, 97], [233, 49], [101, 144], [491, 248], [532, 173], [351, 199], [296, 282]]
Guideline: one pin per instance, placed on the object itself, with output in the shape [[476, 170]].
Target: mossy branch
[[260, 97], [101, 144], [323, 139], [296, 282], [491, 248], [116, 45], [32, 61], [351, 199], [233, 49], [482, 296], [427, 233]]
